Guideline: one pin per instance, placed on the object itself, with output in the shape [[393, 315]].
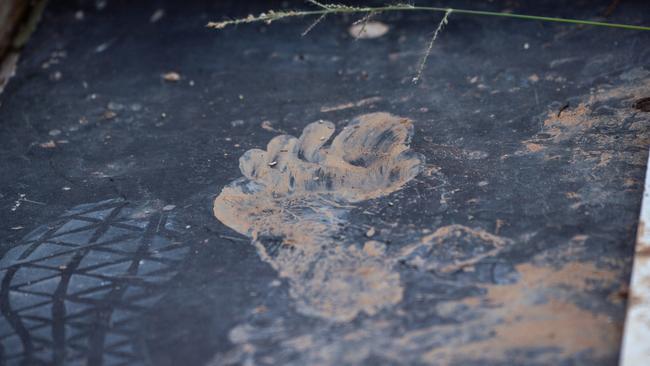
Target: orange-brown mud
[[296, 195], [300, 192]]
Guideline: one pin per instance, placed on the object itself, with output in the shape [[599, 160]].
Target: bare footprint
[[295, 196]]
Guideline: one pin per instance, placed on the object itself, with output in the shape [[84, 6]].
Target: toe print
[[295, 195]]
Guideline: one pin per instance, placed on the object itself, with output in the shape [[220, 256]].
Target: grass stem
[[271, 16]]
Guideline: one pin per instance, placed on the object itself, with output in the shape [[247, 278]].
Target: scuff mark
[[361, 103]]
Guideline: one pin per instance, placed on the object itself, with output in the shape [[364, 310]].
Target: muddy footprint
[[295, 196]]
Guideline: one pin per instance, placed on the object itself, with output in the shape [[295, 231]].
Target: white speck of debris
[[163, 115], [115, 106], [241, 97], [526, 46], [268, 126], [48, 145], [188, 226], [22, 197], [17, 227], [483, 183], [273, 163], [533, 78], [157, 15], [171, 76], [275, 283], [103, 47], [367, 30], [56, 76], [136, 107], [169, 207], [66, 188], [79, 15], [371, 232], [237, 123], [54, 132], [191, 82], [100, 4]]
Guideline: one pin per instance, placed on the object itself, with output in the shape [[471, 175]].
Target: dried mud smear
[[601, 132], [533, 319], [295, 195], [555, 308]]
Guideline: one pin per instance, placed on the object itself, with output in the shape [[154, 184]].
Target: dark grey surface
[[175, 144]]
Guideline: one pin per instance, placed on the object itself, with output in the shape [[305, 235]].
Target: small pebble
[[157, 15], [109, 115], [171, 76], [56, 76]]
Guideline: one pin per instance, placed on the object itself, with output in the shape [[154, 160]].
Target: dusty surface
[[492, 224]]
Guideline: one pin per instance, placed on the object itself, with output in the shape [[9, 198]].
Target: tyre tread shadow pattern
[[72, 291]]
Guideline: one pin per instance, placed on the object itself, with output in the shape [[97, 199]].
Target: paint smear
[[296, 194]]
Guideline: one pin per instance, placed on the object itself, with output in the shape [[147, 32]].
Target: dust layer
[[295, 196], [596, 135]]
